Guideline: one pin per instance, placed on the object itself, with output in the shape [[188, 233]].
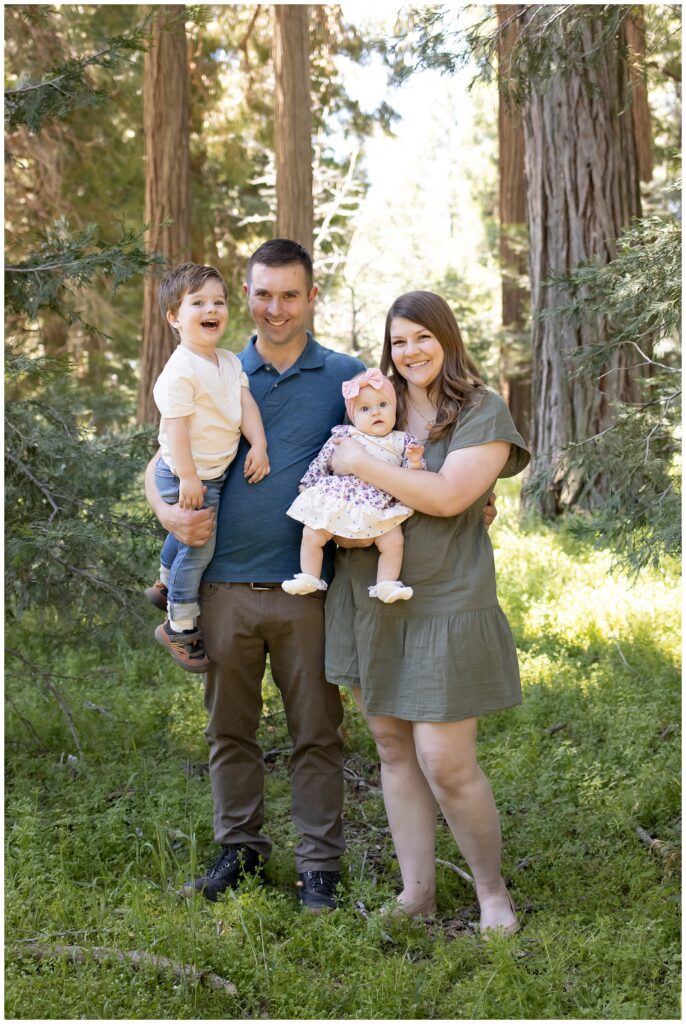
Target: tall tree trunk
[[515, 354], [640, 111], [167, 195], [293, 124], [583, 189]]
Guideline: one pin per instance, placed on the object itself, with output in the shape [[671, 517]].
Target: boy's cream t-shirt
[[191, 385]]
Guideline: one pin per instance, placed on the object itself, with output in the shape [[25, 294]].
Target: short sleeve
[[231, 360], [488, 419], [175, 391]]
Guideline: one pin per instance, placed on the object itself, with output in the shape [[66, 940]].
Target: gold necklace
[[428, 422]]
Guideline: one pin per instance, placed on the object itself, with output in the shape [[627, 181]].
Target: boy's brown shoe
[[157, 595], [186, 648]]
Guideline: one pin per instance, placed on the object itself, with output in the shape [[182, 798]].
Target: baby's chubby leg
[[388, 586], [311, 558], [312, 550], [390, 547]]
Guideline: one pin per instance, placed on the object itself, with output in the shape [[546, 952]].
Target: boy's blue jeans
[[185, 564]]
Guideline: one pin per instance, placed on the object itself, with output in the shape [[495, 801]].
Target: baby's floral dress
[[345, 505]]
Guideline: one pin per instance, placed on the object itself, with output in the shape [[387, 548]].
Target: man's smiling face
[[280, 303]]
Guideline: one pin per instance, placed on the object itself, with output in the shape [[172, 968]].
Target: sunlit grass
[[97, 846]]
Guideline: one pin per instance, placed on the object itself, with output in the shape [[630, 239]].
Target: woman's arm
[[464, 476], [190, 527]]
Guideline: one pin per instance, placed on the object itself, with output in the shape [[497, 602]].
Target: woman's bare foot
[[419, 905], [497, 913]]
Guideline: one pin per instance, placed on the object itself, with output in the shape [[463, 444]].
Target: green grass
[[96, 847]]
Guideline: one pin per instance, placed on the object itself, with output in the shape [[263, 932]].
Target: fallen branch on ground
[[458, 871], [136, 957], [670, 853], [361, 909]]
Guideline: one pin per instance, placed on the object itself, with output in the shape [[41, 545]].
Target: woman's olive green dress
[[447, 653]]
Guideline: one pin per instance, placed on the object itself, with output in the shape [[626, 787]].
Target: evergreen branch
[[38, 671], [56, 693], [96, 582], [25, 721], [23, 468], [66, 260], [72, 65]]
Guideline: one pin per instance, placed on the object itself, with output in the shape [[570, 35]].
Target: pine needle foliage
[[76, 533], [64, 261], [69, 84], [639, 294], [448, 39], [77, 536]]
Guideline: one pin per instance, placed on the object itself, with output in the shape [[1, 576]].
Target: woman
[[424, 670]]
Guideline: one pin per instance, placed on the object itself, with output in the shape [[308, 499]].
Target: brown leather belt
[[264, 586]]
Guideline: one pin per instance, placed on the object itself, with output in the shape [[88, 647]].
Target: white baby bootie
[[389, 591], [303, 583]]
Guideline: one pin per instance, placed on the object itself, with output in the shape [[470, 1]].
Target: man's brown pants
[[241, 625]]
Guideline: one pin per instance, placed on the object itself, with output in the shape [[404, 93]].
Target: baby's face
[[374, 414]]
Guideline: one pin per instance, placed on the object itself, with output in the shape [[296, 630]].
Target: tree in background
[[638, 295], [582, 192], [167, 191], [77, 539], [78, 167], [515, 347], [293, 124]]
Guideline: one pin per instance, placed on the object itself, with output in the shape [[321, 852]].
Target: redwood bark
[[167, 192], [583, 190], [640, 110], [293, 124], [515, 365]]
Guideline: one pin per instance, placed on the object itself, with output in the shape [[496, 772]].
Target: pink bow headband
[[370, 378]]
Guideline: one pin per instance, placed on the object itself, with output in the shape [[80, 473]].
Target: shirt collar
[[311, 357]]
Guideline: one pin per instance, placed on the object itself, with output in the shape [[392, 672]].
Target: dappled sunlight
[[603, 608], [555, 587]]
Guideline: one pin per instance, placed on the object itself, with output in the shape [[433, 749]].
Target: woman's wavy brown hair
[[459, 381]]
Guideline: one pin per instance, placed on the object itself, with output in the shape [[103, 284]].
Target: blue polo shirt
[[256, 541]]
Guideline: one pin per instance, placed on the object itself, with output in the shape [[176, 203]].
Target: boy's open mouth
[[209, 324]]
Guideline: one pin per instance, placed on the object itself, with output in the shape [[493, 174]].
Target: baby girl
[[345, 506]]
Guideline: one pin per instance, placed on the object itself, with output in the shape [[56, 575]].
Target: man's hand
[[191, 491], [414, 453], [490, 511], [256, 465], [189, 526]]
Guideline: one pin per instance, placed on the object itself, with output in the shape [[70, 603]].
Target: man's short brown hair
[[187, 277], [282, 252]]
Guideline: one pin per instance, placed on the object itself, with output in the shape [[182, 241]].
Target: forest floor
[[97, 842]]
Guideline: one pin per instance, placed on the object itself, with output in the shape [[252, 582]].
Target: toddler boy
[[204, 399]]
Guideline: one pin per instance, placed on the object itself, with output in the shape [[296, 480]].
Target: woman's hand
[[348, 458], [490, 510]]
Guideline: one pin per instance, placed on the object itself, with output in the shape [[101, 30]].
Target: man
[[246, 615]]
